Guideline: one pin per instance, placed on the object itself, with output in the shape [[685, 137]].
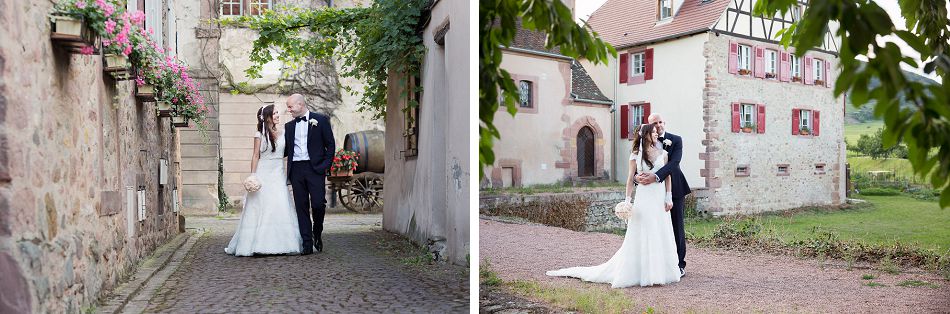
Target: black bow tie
[[661, 139], [300, 118]]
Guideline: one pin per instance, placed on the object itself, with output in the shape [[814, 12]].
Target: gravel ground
[[716, 281]]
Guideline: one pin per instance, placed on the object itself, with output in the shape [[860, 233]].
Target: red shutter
[[809, 72], [795, 121], [735, 117], [760, 123], [141, 8], [785, 68], [827, 76], [733, 57], [624, 67], [624, 121], [648, 61], [759, 62], [646, 113], [816, 122]]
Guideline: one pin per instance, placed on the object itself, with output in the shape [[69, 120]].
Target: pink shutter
[[646, 113], [760, 119], [735, 117], [809, 72], [816, 122], [624, 121], [141, 8], [759, 62], [648, 62], [733, 57], [827, 75], [624, 67], [795, 120], [785, 67]]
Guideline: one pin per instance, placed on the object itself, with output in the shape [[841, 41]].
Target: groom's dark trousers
[[309, 192], [679, 233]]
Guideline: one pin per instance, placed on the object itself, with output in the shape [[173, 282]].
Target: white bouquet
[[623, 210], [251, 184]]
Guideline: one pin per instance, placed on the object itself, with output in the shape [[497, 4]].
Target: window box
[[71, 32], [804, 130], [745, 72], [770, 75], [796, 79], [145, 92], [819, 82], [115, 63], [180, 122], [164, 108], [748, 127]]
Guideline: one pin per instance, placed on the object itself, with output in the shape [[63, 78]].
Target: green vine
[[369, 42]]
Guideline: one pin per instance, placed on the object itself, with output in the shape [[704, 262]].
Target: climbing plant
[[369, 42]]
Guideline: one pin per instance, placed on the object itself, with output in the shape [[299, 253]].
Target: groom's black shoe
[[319, 245], [307, 250]]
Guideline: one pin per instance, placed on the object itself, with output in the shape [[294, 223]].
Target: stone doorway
[[585, 152]]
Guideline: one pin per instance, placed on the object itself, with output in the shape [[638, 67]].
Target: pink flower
[[81, 4], [138, 17], [175, 100], [139, 81], [106, 42], [110, 26], [128, 50], [87, 50]]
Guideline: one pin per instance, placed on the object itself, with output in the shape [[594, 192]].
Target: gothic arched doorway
[[585, 152]]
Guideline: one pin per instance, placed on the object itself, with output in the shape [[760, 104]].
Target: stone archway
[[585, 152], [569, 153]]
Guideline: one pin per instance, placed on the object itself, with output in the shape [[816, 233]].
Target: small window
[[745, 59], [804, 122], [525, 94], [819, 168], [742, 170], [666, 9], [232, 8], [771, 64], [782, 170], [747, 116], [257, 7], [819, 68], [637, 113], [796, 68], [411, 132], [639, 64]]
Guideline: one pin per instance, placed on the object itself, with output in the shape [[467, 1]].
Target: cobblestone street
[[362, 269]]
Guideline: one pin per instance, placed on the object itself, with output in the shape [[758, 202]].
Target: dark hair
[[646, 141], [635, 148], [264, 115]]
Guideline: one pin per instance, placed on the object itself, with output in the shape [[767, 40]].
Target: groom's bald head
[[295, 105], [655, 118]]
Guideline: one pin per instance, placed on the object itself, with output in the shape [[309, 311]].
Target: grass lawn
[[853, 131], [890, 219], [900, 167]]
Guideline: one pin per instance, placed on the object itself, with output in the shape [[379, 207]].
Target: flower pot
[[747, 130], [796, 79], [180, 122], [341, 173], [164, 108], [803, 132], [115, 63], [819, 82], [145, 92], [71, 32], [744, 72]]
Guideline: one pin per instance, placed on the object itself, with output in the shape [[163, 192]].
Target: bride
[[269, 222], [648, 254]]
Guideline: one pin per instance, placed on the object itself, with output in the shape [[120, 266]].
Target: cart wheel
[[362, 194]]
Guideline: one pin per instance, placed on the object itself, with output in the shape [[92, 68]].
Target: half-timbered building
[[761, 127]]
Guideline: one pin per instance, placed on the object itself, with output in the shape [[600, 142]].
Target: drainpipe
[[615, 134]]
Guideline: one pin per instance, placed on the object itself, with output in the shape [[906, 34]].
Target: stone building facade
[[75, 149], [738, 98], [427, 170], [562, 129], [220, 56]]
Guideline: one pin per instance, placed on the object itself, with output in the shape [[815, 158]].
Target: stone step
[[237, 131], [236, 166], [238, 142], [199, 163], [194, 137], [197, 150], [236, 154], [199, 177]]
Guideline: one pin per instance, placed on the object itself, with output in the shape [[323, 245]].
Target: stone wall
[[764, 189], [599, 214], [72, 141]]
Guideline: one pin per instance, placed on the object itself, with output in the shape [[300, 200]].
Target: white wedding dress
[[648, 254], [269, 222]]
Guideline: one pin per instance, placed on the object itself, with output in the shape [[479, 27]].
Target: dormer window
[[666, 9]]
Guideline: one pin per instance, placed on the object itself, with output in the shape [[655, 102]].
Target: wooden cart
[[362, 192]]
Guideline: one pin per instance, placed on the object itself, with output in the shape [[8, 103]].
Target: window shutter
[[815, 121], [141, 8], [785, 68], [648, 62], [759, 62], [795, 121], [809, 72], [646, 113], [624, 67], [624, 121], [827, 75], [733, 57], [735, 117], [760, 123]]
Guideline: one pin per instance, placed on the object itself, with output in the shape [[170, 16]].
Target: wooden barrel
[[371, 146]]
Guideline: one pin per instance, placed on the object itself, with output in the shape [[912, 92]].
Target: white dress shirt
[[300, 138]]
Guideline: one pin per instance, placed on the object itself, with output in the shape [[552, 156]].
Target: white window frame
[[666, 6], [804, 119], [796, 13], [771, 62], [259, 3], [796, 66], [747, 114], [638, 63], [637, 113], [745, 57], [819, 69], [240, 4], [529, 96]]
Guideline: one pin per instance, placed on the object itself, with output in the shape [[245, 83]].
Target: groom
[[679, 185], [309, 151]]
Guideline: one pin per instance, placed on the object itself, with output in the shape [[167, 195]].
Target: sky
[[584, 8]]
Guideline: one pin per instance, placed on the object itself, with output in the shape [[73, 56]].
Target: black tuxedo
[[680, 189], [308, 177]]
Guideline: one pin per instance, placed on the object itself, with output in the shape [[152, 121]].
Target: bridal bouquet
[[623, 210], [251, 184]]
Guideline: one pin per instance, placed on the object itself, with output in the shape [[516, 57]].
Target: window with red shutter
[[795, 122], [809, 71], [816, 122], [760, 123], [646, 113], [759, 62], [735, 117], [624, 67], [648, 75], [624, 121], [733, 57]]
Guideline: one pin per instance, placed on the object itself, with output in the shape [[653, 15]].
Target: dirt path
[[716, 281]]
